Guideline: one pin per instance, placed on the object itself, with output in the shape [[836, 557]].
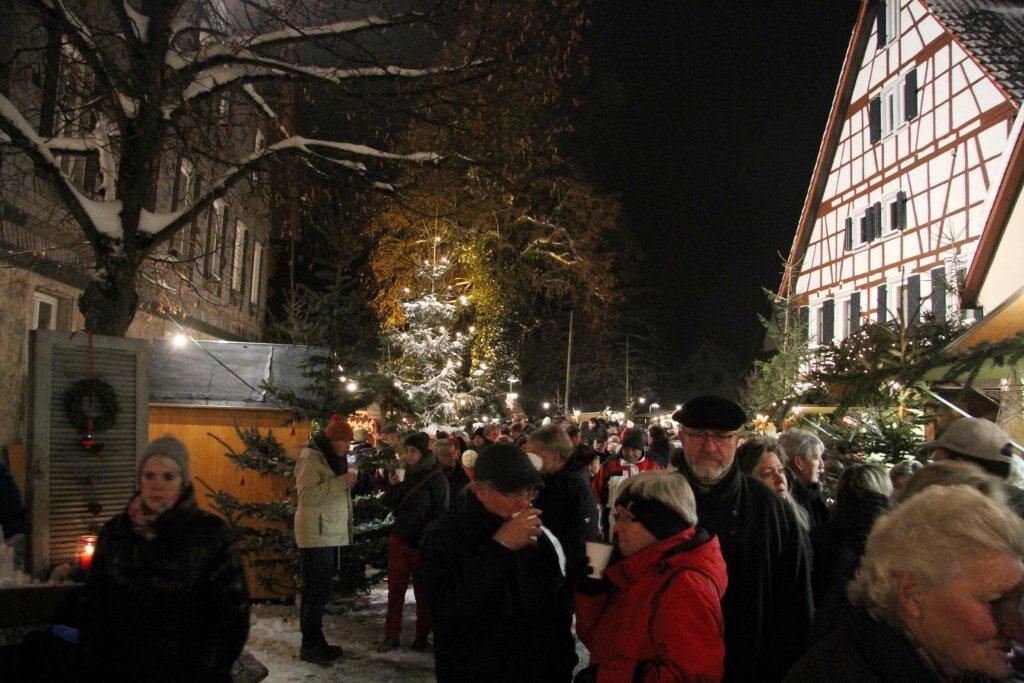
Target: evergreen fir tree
[[428, 350]]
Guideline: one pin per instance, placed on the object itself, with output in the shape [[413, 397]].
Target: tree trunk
[[110, 301]]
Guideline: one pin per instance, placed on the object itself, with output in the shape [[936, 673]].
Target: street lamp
[[511, 380], [545, 405], [642, 400], [655, 406]]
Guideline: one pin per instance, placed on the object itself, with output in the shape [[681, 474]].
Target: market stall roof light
[[179, 341], [545, 405], [351, 387]]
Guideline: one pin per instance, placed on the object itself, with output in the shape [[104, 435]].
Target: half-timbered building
[[920, 125]]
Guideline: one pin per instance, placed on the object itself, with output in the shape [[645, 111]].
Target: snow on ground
[[274, 639], [358, 626]]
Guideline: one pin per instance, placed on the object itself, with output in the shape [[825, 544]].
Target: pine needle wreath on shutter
[[91, 407]]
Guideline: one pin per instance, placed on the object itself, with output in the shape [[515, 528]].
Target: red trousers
[[402, 562]]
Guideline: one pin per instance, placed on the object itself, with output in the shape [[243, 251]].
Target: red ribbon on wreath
[[88, 443]]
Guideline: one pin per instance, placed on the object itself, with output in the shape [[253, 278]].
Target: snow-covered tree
[[428, 348], [130, 85]]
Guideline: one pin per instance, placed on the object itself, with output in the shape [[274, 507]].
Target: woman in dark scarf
[[166, 593]]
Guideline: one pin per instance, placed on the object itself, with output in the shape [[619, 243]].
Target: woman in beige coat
[[323, 522]]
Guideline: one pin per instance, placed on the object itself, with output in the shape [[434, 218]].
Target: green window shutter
[[883, 303], [901, 203], [939, 294], [848, 232], [910, 95], [828, 325], [876, 222], [805, 317], [854, 311], [880, 24], [875, 118], [913, 298]]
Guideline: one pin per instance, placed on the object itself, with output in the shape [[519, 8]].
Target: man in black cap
[[494, 575], [768, 607]]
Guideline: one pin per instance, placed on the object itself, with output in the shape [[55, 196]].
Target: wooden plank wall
[[194, 425]]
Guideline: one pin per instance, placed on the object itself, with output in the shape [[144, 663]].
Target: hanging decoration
[[90, 405]]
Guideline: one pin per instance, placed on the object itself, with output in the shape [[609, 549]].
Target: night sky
[[706, 117]]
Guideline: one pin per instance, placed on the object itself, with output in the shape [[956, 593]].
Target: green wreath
[[100, 395]]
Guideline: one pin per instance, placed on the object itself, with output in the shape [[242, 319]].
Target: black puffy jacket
[[174, 608]]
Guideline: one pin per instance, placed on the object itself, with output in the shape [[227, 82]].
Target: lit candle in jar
[[86, 548]]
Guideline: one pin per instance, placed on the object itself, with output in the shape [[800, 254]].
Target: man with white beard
[[768, 607]]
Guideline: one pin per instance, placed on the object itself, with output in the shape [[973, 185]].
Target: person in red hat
[[323, 522]]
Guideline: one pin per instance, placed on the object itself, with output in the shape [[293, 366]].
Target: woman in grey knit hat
[[166, 591]]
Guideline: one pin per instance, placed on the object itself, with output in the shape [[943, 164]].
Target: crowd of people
[[728, 561], [687, 553]]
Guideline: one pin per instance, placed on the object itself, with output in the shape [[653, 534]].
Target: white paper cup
[[598, 555], [400, 473]]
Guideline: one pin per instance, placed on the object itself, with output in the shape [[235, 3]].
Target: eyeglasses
[[527, 495], [717, 438]]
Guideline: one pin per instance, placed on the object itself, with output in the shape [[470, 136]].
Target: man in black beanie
[[768, 606], [494, 576]]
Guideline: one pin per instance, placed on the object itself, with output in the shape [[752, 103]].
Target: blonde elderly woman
[[935, 596]]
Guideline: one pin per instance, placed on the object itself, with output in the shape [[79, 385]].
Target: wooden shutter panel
[[864, 227], [805, 317], [883, 303], [854, 311], [876, 223], [910, 95], [901, 204], [875, 119], [880, 24], [913, 298], [828, 317], [939, 294], [848, 231]]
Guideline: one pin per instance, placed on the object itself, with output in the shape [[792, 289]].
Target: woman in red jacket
[[656, 614]]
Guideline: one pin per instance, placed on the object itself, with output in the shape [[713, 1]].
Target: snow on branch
[[261, 103], [163, 225], [247, 67], [95, 218], [291, 35], [139, 21]]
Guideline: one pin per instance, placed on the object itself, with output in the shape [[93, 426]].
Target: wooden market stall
[[204, 392]]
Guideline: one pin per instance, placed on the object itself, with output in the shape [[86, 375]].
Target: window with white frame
[[257, 265], [239, 255], [44, 311], [894, 106], [214, 237]]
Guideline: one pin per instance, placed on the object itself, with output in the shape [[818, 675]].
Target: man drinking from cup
[[494, 575]]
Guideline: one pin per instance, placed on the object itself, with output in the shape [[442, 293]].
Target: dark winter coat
[[426, 502], [570, 511], [660, 617], [768, 607], [457, 480], [12, 509], [862, 650], [171, 609], [498, 614], [838, 547], [811, 499]]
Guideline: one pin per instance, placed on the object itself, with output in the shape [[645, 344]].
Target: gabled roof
[[829, 142], [226, 374], [991, 31]]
